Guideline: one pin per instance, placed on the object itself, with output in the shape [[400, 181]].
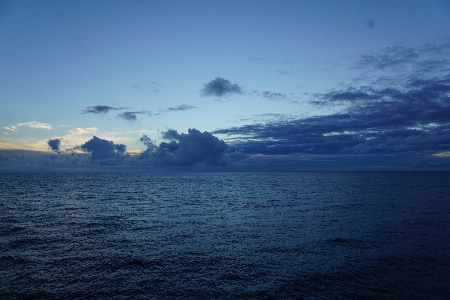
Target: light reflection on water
[[225, 235]]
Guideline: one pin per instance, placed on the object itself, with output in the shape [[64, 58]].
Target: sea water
[[316, 235]]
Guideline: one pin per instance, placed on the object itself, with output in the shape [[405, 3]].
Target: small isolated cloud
[[54, 145], [99, 109], [32, 124], [103, 151], [81, 131], [132, 115], [181, 107], [220, 87], [185, 149]]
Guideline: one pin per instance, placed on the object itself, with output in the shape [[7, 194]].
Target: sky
[[231, 85]]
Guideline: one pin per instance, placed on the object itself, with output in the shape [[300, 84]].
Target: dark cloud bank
[[397, 113], [185, 149], [415, 118]]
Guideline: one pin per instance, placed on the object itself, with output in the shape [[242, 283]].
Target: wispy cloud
[[32, 124], [132, 115], [99, 109], [272, 95], [181, 107], [427, 61]]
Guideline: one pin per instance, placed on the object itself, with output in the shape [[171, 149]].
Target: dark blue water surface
[[331, 235]]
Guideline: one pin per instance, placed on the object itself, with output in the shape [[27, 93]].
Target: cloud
[[128, 115], [274, 96], [103, 151], [390, 57], [99, 109], [82, 131], [411, 117], [11, 128], [428, 60], [220, 87], [185, 149], [32, 124], [268, 95], [132, 115], [271, 95], [54, 145], [414, 119], [181, 107]]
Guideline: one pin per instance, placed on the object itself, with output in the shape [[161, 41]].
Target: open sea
[[312, 235]]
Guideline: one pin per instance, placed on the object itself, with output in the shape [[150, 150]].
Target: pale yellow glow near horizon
[[42, 146]]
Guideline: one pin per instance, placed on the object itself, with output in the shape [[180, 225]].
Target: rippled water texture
[[225, 235]]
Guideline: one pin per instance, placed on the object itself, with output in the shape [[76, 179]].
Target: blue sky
[[271, 81]]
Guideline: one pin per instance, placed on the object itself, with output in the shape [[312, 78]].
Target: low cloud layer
[[185, 149], [219, 87]]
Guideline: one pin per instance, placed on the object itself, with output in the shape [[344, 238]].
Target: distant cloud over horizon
[[219, 87], [185, 149], [103, 151]]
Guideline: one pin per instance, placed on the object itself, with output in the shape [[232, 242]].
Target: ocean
[[311, 235]]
